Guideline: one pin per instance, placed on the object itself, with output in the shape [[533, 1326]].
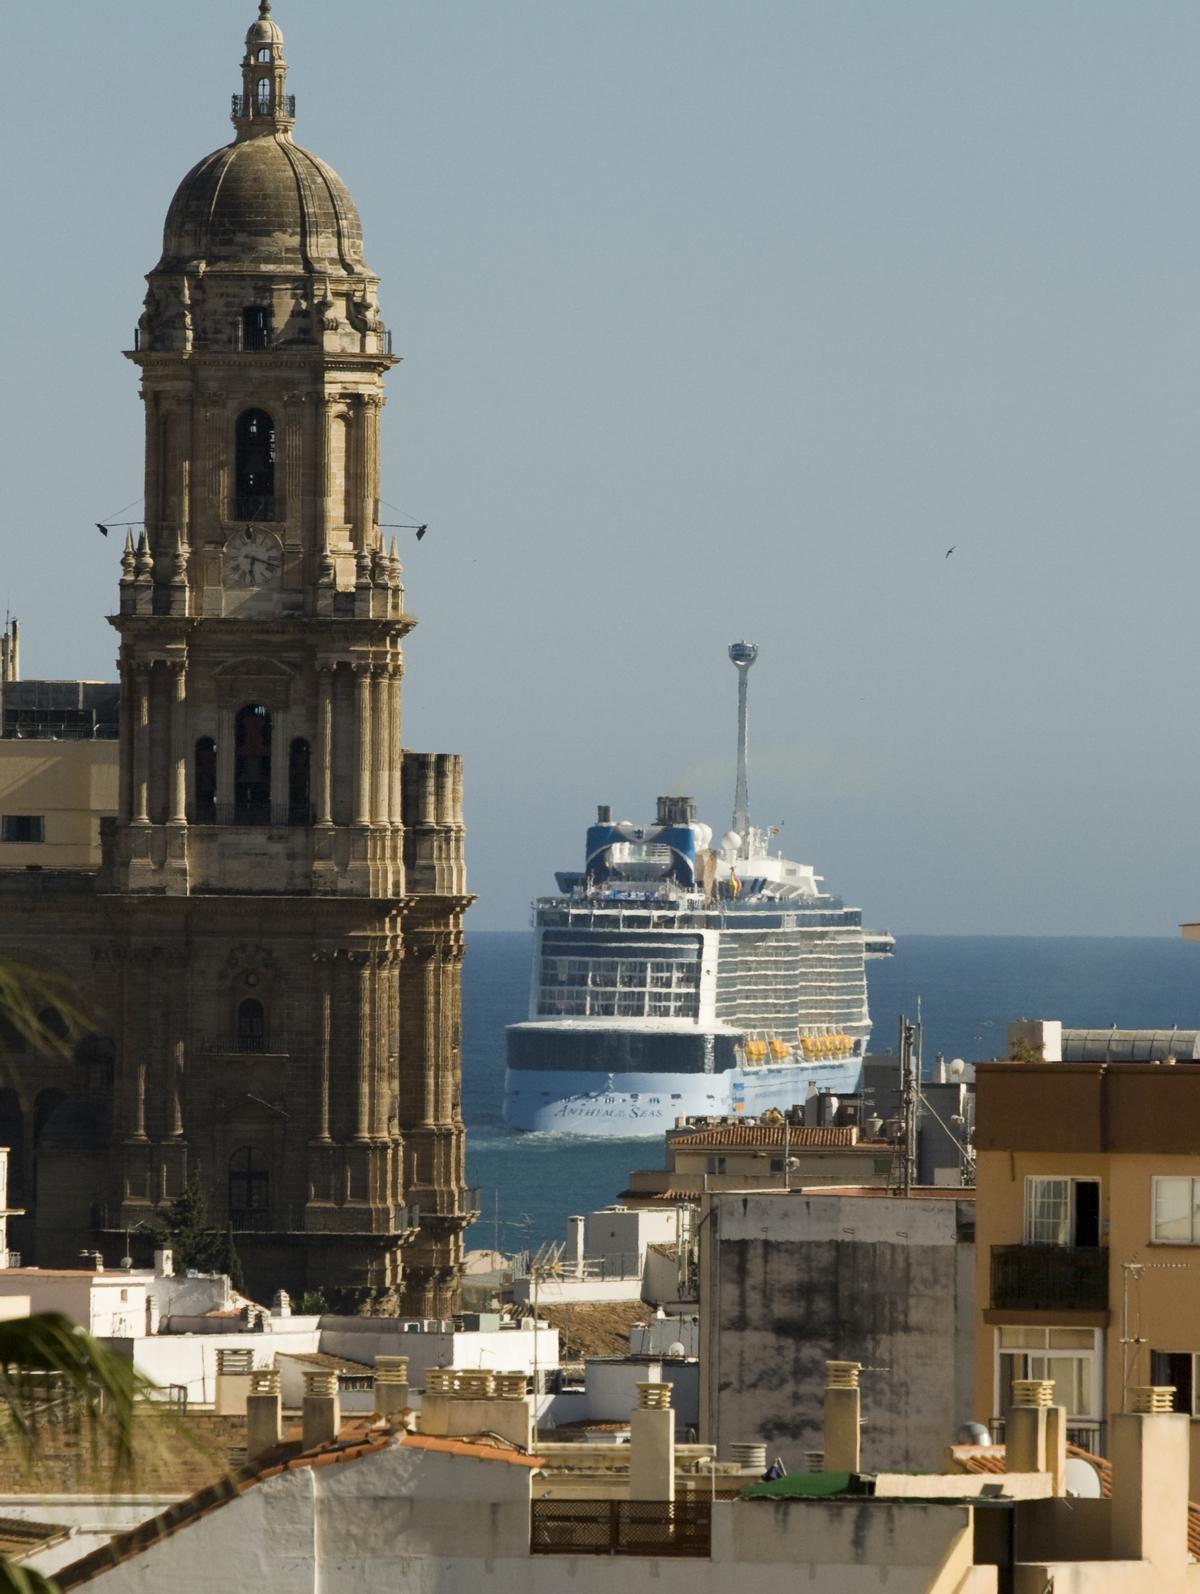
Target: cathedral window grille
[[299, 782], [255, 466], [252, 766], [256, 327], [249, 1182], [205, 781], [251, 1025]]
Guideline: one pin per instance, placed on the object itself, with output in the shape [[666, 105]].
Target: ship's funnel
[[742, 655]]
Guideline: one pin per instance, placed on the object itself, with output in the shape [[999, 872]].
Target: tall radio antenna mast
[[742, 655]]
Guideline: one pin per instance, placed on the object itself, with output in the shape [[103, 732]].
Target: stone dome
[[263, 204]]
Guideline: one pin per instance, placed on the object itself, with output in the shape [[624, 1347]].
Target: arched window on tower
[[249, 1183], [256, 327], [252, 766], [204, 778], [299, 763], [263, 95], [251, 1025], [264, 54], [255, 466]]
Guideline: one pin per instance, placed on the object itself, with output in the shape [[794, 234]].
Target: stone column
[[324, 747], [324, 963], [176, 1120], [141, 744], [365, 432], [226, 756], [177, 795], [362, 970], [125, 750], [381, 747], [395, 789], [362, 750]]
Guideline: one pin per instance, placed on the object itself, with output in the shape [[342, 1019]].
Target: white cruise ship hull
[[633, 1106]]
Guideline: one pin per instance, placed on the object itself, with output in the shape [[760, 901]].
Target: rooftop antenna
[[742, 655]]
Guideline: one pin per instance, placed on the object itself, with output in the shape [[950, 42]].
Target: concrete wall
[[362, 1339], [435, 1524], [106, 1304], [789, 1281], [71, 785], [191, 1359]]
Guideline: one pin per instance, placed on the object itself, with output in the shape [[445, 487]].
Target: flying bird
[[949, 551]]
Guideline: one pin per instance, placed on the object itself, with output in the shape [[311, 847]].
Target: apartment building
[[1088, 1238]]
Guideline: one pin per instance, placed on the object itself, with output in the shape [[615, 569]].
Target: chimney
[[1149, 1453], [281, 1304], [322, 1413], [391, 1385], [652, 1445], [1035, 1432], [842, 1417], [264, 1411], [234, 1368], [164, 1264], [575, 1226], [458, 1402], [604, 814]]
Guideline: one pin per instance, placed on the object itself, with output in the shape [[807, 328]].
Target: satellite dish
[[956, 1068], [1081, 1479], [676, 1348]]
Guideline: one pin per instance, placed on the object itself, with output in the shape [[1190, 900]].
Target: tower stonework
[[275, 936]]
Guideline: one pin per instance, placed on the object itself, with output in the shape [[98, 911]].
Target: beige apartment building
[[760, 1154], [53, 795], [1088, 1238]]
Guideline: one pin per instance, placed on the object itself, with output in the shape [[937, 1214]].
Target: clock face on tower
[[253, 558]]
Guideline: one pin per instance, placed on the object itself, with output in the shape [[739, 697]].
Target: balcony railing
[[1044, 1278], [250, 105], [273, 814], [1085, 1433], [257, 507], [268, 1045], [252, 1220], [621, 1527]]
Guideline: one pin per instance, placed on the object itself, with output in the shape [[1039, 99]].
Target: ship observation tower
[[742, 655]]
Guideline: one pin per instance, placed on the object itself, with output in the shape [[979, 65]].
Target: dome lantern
[[263, 106]]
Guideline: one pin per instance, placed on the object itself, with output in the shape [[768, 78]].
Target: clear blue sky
[[718, 320]]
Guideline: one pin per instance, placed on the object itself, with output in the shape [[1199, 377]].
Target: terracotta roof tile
[[798, 1137]]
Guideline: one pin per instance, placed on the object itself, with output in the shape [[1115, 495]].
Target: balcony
[[1085, 1433], [251, 105], [269, 1045], [257, 507], [1048, 1278], [621, 1527], [276, 815]]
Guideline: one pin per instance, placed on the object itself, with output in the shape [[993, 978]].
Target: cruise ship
[[673, 977]]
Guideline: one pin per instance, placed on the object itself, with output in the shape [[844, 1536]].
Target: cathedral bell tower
[[298, 874]]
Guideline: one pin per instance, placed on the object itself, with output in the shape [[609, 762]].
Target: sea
[[967, 988]]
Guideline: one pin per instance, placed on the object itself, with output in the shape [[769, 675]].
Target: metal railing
[[1044, 1278], [275, 814], [252, 1220], [1085, 1433], [250, 105], [621, 1527], [256, 506], [268, 1045]]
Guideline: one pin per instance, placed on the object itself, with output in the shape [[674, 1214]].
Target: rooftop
[[356, 1439], [793, 1137]]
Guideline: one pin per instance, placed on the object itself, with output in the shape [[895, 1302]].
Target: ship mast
[[742, 655]]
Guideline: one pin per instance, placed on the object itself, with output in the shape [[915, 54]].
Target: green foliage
[[26, 993], [312, 1304], [51, 1368], [192, 1238], [233, 1264], [1025, 1052], [16, 1579]]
